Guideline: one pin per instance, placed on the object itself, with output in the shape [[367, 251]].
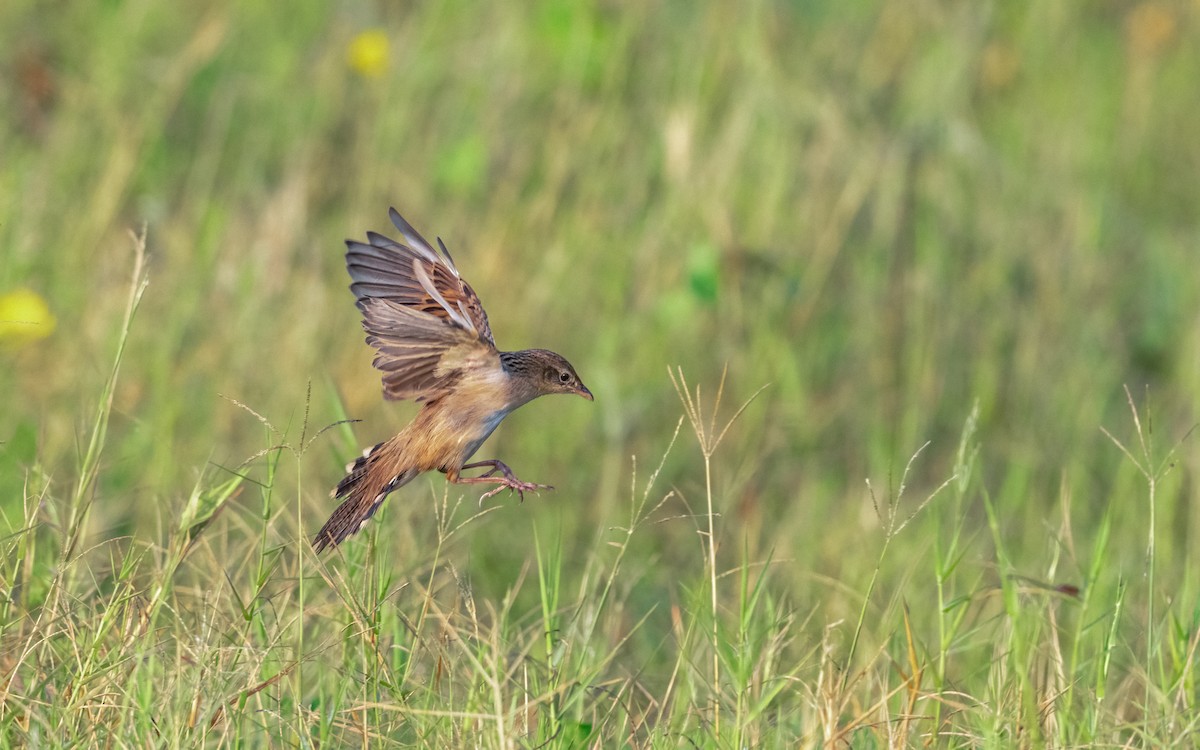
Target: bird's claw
[[511, 484]]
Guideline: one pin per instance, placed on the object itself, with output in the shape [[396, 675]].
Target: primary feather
[[423, 318], [415, 276]]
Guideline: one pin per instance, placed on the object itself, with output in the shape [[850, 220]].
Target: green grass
[[945, 254]]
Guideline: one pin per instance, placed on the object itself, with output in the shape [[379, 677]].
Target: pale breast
[[479, 407], [484, 428]]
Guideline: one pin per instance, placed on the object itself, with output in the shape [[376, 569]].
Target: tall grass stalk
[[81, 499], [892, 525], [949, 552], [1153, 471], [709, 437]]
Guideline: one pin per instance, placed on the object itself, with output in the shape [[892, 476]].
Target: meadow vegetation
[[890, 309]]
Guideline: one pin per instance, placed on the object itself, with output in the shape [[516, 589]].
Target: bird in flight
[[434, 346]]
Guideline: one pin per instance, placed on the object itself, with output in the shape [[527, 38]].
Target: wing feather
[[421, 356], [425, 321], [427, 284], [416, 276]]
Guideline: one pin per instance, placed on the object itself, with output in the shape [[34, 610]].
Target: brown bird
[[435, 347]]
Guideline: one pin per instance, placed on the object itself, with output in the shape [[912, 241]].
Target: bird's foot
[[513, 484], [507, 481]]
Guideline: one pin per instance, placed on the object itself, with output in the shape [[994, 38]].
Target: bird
[[434, 346]]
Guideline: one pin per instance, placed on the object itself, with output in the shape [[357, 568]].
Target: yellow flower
[[367, 53], [24, 318]]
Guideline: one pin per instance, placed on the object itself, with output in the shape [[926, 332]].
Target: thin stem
[[81, 500], [709, 438], [712, 579]]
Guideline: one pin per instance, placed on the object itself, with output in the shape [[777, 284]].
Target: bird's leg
[[508, 480]]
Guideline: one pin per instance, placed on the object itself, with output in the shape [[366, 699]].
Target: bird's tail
[[367, 482]]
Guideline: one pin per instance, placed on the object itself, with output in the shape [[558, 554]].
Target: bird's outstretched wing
[[415, 276], [422, 356]]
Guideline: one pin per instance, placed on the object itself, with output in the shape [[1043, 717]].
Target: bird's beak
[[583, 391]]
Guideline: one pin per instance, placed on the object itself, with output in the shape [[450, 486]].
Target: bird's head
[[544, 372]]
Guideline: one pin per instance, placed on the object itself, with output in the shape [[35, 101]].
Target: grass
[[948, 274]]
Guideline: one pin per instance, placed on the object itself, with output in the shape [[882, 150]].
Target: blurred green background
[[886, 212]]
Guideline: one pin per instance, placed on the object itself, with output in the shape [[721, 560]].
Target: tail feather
[[363, 493]]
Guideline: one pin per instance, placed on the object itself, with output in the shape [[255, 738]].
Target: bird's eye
[[564, 377]]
